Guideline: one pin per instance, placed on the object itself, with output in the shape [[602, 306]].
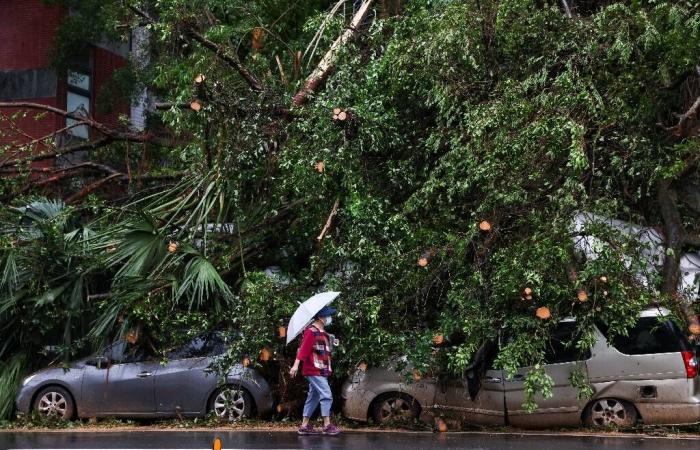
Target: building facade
[[27, 32]]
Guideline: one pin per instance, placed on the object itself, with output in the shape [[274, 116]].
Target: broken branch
[[319, 76], [329, 221]]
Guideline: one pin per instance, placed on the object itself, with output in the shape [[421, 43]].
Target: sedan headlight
[[28, 379]]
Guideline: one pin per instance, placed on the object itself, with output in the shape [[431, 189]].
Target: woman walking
[[314, 354]]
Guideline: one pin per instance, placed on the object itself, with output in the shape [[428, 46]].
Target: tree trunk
[[674, 235]]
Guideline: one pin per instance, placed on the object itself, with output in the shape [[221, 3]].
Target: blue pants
[[319, 392]]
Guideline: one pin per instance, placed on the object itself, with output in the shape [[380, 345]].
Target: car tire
[[54, 401], [610, 412], [394, 407], [231, 403]]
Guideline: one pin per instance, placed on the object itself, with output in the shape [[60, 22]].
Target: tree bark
[[675, 238], [319, 76]]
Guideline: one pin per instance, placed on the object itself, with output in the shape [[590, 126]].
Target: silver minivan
[[649, 376]]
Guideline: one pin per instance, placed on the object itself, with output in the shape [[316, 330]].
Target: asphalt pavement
[[201, 440]]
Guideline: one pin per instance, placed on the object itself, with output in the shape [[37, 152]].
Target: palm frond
[[202, 282], [11, 372]]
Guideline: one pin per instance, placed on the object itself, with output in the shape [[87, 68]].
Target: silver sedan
[[122, 381]]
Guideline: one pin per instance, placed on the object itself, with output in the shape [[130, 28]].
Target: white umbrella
[[306, 312]]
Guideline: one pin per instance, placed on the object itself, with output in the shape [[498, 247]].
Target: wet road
[[350, 440]]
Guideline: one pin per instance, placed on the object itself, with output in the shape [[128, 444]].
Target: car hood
[[56, 370]]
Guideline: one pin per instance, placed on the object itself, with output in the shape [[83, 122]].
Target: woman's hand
[[295, 368]]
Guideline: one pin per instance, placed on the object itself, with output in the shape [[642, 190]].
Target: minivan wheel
[[54, 401], [231, 403], [610, 412], [394, 407]]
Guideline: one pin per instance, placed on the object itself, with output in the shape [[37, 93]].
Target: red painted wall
[[27, 29], [105, 63]]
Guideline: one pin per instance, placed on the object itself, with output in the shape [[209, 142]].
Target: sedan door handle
[[144, 374], [493, 380]]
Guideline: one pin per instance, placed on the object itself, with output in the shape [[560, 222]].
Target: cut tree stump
[[196, 106], [543, 313], [582, 295], [484, 226], [425, 258]]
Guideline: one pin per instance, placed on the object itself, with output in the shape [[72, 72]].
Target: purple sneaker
[[331, 430], [306, 430]]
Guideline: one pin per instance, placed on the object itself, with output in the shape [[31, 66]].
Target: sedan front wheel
[[231, 403], [55, 401]]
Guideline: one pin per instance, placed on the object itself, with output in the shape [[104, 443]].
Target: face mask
[[327, 321]]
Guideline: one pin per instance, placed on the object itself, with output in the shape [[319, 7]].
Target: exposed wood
[[527, 291], [283, 77], [258, 35], [336, 111], [329, 221], [320, 167], [484, 226], [543, 313], [220, 51], [427, 255], [313, 44], [199, 79], [228, 57], [683, 128], [324, 68], [196, 106], [582, 296], [265, 354]]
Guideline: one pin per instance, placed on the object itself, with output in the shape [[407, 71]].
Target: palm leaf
[[203, 282]]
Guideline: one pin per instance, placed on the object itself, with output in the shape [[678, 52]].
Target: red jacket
[[315, 353]]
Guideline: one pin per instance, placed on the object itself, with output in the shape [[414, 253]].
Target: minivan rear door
[[564, 407], [651, 350]]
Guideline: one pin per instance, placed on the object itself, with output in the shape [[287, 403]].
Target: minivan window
[[562, 348], [650, 335]]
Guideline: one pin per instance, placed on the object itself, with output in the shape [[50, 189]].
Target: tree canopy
[[433, 118]]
